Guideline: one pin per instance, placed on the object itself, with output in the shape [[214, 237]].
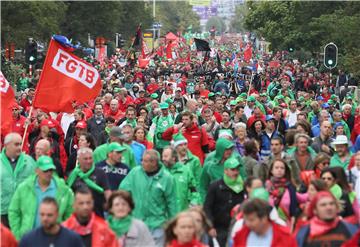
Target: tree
[[237, 24], [217, 22], [176, 15], [40, 20]]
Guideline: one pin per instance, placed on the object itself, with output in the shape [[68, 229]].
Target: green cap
[[349, 97], [164, 105], [231, 163], [233, 102], [251, 99], [114, 146], [239, 99], [218, 93], [45, 163], [331, 102], [116, 90], [333, 97], [301, 98], [243, 95], [211, 94], [169, 101], [280, 97], [154, 95], [263, 94], [260, 193]]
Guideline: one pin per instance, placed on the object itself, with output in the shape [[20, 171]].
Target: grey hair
[[240, 125], [301, 135], [10, 137], [154, 155], [84, 150], [345, 106]]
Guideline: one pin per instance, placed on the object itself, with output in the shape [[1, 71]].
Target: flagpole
[[248, 93], [26, 128]]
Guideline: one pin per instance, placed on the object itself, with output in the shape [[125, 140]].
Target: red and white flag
[[7, 102], [65, 79]]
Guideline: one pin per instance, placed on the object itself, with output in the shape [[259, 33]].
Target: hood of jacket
[[221, 145]]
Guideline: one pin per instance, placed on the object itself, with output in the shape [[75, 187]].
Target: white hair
[[240, 125], [84, 150], [346, 106], [10, 137]]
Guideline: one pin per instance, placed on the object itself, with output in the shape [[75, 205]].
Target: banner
[[7, 102], [65, 79]]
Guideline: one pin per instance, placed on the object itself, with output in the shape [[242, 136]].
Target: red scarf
[[277, 188], [193, 243], [79, 229], [319, 227]]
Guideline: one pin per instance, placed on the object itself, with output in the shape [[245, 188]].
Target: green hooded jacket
[[186, 190], [23, 205], [214, 166], [10, 179], [128, 158], [154, 196], [193, 162]]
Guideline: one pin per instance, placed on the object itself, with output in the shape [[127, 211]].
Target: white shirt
[[292, 118], [255, 240]]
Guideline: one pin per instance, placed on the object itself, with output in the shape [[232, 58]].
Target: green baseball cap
[[154, 95], [169, 101], [243, 95], [251, 99], [233, 102], [349, 97], [211, 94], [239, 99], [263, 94], [331, 102], [45, 163], [116, 90], [164, 105], [301, 98], [260, 193], [231, 163], [218, 93], [333, 97], [114, 146]]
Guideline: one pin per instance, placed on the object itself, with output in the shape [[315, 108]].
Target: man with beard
[[50, 233]]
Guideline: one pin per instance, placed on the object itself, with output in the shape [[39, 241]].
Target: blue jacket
[[266, 144], [138, 150]]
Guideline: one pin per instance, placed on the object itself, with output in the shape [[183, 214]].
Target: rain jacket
[[23, 205], [185, 186], [194, 165], [101, 234], [214, 167], [10, 179], [128, 157], [154, 196]]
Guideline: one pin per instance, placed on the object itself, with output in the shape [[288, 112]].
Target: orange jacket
[[7, 238], [102, 235]]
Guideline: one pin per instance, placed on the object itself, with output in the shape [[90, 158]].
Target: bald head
[[12, 144], [42, 147]]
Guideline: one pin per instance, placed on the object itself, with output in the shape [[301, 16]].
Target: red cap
[[81, 125], [47, 122]]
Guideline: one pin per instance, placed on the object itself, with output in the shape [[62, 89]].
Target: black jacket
[[219, 202], [95, 128]]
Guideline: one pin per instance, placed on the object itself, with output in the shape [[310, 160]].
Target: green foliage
[[237, 23], [309, 26], [217, 22], [39, 20], [176, 15]]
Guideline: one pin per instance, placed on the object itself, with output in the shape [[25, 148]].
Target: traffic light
[[121, 43], [330, 55], [31, 52]]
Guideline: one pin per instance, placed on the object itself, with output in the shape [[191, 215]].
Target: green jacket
[[162, 123], [128, 158], [185, 186], [214, 167], [23, 205], [193, 162], [154, 196], [336, 161], [10, 179]]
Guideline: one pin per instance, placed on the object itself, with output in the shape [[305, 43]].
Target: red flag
[[7, 102], [160, 51], [65, 78], [274, 64], [143, 62], [169, 50], [248, 53]]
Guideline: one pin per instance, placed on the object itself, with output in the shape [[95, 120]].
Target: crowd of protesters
[[188, 153]]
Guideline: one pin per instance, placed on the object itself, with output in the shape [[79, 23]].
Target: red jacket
[[196, 137], [281, 237], [19, 125], [115, 115], [354, 241], [7, 238], [102, 235]]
